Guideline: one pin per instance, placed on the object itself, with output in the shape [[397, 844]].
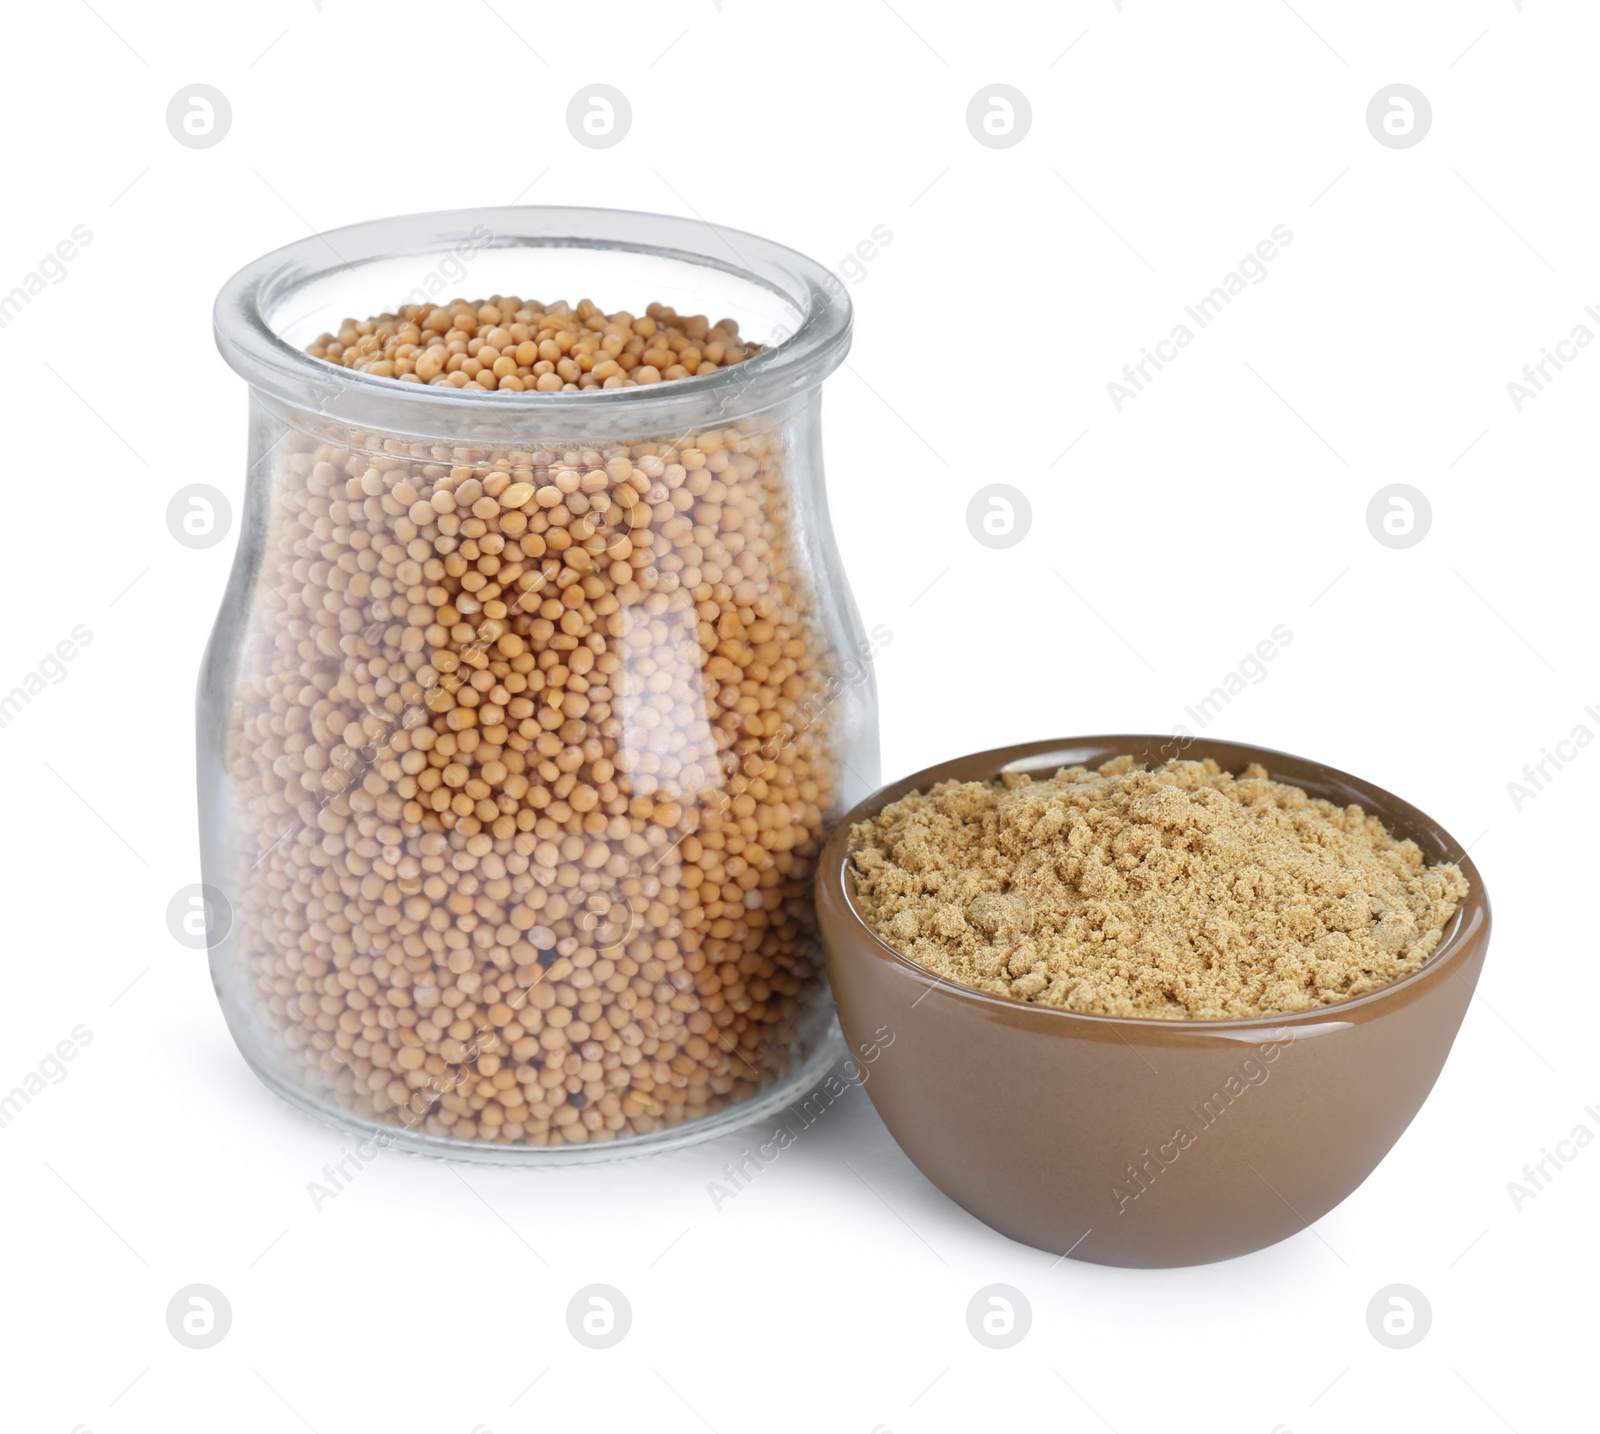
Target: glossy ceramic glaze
[[1147, 1142]]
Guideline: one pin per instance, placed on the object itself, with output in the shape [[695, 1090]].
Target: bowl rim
[[1464, 933]]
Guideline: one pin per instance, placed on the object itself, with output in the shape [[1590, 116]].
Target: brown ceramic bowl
[[1145, 1142]]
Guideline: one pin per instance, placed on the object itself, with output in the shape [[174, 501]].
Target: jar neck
[[492, 440]]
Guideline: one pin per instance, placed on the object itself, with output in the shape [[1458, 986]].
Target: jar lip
[[252, 347]]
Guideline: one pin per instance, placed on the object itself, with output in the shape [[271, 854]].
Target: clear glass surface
[[525, 715]]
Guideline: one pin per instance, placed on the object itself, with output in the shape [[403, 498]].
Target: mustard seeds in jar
[[530, 748], [507, 346]]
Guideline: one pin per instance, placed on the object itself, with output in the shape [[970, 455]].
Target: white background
[[1229, 497]]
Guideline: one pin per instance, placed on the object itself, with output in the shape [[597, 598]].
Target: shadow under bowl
[[1144, 1142]]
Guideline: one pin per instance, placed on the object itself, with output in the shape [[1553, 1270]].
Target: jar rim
[[252, 347]]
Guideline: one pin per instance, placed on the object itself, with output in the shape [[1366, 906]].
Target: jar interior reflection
[[616, 279]]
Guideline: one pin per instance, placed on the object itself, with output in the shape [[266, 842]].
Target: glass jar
[[525, 714]]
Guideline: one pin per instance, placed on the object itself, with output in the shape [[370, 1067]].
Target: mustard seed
[[515, 346], [527, 758]]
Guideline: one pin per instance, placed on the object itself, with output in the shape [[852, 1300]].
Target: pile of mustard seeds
[[1182, 893], [512, 345], [531, 755]]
